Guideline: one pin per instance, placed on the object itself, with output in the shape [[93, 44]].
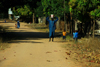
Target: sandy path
[[31, 48]]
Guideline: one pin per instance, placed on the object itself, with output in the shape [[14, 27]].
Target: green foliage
[[70, 9], [92, 13], [72, 3], [51, 7], [15, 12], [81, 7], [95, 13], [78, 8], [39, 10], [23, 11]]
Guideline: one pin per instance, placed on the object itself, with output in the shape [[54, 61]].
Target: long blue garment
[[18, 24], [52, 26]]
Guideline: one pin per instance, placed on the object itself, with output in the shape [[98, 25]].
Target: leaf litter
[[86, 51], [48, 52]]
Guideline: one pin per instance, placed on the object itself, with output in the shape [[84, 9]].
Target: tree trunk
[[90, 30], [57, 24], [64, 22], [39, 20], [13, 17], [33, 18], [44, 20], [71, 23], [66, 27], [93, 28], [69, 26], [0, 39], [81, 30], [64, 17], [76, 25], [10, 16]]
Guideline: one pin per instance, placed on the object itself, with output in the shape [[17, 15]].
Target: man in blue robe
[[51, 27]]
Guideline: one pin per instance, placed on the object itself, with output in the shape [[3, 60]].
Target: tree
[[6, 4], [51, 7], [95, 13], [81, 10], [23, 11], [39, 10]]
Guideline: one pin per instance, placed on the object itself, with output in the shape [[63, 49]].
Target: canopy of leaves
[[18, 5], [23, 11], [82, 7], [78, 8], [52, 7]]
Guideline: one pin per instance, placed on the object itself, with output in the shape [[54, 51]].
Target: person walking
[[51, 27], [18, 24]]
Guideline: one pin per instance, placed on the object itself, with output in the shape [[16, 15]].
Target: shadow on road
[[6, 22], [22, 34], [9, 36]]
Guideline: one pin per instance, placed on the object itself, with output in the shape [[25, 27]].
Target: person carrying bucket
[[52, 27]]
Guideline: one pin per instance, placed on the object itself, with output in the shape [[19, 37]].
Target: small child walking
[[64, 35]]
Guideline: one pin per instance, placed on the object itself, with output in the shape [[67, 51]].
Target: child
[[64, 35]]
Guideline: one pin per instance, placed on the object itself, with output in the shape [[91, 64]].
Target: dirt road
[[31, 48]]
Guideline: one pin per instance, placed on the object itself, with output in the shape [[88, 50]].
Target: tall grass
[[91, 44]]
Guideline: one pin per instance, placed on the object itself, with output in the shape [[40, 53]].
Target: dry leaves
[[48, 60], [48, 52], [67, 53]]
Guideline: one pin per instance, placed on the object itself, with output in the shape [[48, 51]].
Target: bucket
[[52, 16]]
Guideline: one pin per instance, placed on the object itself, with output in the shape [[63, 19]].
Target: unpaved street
[[31, 48]]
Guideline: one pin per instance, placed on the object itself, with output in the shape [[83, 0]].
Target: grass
[[68, 37]]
